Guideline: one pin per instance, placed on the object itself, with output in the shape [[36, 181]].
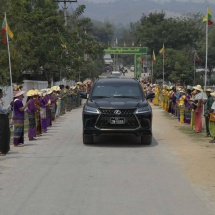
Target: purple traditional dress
[[18, 119], [48, 110], [187, 111], [43, 113], [173, 103], [32, 131]]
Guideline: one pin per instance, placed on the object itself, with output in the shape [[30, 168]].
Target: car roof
[[117, 80]]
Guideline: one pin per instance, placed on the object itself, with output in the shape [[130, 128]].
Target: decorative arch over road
[[136, 51]]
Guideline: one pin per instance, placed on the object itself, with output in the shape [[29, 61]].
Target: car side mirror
[[150, 95]]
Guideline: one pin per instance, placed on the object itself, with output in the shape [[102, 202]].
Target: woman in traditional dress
[[62, 100], [68, 99], [192, 106], [48, 108], [53, 104], [37, 114], [181, 104], [156, 99], [58, 103], [199, 108], [4, 126], [32, 131], [18, 118], [187, 111], [212, 123], [173, 101], [43, 112]]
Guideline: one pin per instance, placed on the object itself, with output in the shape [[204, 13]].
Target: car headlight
[[89, 109], [145, 109]]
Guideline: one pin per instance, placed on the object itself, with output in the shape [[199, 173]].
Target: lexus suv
[[117, 106]]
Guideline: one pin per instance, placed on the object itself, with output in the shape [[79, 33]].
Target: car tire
[[87, 139], [146, 139]]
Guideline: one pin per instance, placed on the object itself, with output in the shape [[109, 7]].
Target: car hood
[[117, 103]]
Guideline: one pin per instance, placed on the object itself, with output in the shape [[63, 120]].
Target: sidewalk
[[194, 152]]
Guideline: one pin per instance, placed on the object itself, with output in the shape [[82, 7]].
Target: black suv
[[117, 106]]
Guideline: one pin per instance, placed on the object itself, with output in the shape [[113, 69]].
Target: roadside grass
[[186, 129]]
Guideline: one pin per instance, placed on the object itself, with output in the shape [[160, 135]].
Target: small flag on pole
[[197, 58], [6, 31], [153, 56], [208, 17], [162, 51]]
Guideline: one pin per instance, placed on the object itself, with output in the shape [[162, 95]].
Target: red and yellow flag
[[6, 31], [162, 51], [208, 17], [153, 56]]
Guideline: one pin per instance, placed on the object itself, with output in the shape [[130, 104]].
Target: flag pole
[[8, 48], [194, 72], [206, 54], [163, 64], [152, 72]]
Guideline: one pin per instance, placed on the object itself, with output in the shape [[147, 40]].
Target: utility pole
[[64, 7]]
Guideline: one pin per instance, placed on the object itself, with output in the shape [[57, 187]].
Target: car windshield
[[118, 90], [115, 74]]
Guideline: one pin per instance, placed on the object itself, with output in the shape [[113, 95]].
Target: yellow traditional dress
[[181, 108], [156, 99]]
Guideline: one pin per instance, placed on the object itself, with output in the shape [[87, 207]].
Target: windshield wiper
[[101, 97], [135, 97]]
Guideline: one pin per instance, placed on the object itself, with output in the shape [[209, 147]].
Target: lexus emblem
[[117, 112]]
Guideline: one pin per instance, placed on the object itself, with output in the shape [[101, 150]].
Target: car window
[[119, 89]]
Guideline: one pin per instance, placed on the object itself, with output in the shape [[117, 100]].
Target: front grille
[[130, 119]]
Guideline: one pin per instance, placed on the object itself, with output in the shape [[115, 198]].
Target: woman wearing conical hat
[[42, 101], [18, 118], [199, 108], [187, 111], [181, 104], [31, 115]]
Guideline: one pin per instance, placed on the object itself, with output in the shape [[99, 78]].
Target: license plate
[[117, 120]]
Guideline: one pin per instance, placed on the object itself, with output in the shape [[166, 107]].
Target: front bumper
[[139, 124]]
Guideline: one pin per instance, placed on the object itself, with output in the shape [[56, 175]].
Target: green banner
[[126, 50]]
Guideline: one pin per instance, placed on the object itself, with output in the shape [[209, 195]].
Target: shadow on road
[[128, 141]]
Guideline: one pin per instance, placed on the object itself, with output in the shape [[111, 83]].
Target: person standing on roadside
[[18, 118], [208, 106], [212, 123], [4, 126], [32, 131], [199, 108]]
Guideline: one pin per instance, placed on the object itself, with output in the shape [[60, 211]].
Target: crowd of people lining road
[[42, 107], [190, 105]]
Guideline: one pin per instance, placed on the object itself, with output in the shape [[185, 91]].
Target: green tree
[[177, 67]]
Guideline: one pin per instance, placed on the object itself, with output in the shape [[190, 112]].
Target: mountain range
[[127, 11]]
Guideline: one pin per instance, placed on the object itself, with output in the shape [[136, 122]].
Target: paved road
[[58, 175]]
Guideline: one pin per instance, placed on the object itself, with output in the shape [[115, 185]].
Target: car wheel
[[146, 139], [87, 139]]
